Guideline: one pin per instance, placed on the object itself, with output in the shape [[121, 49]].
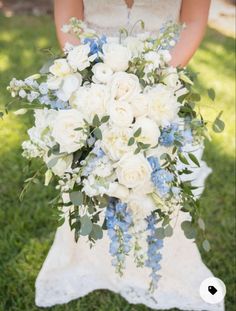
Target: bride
[[72, 270]]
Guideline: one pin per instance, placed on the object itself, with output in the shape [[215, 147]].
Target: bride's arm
[[194, 13], [63, 11]]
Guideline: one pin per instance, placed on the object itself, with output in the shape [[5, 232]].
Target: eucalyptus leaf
[[201, 224], [96, 121], [97, 232], [138, 132], [76, 197], [189, 230], [160, 233], [194, 159], [105, 119], [131, 141], [218, 125], [168, 231], [183, 159], [211, 94], [86, 225], [98, 133], [206, 245]]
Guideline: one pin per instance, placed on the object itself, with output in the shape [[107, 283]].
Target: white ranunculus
[[133, 170], [140, 207], [121, 113], [124, 86], [78, 57], [70, 84], [116, 56], [163, 106], [60, 68], [171, 78], [153, 58], [118, 191], [150, 132], [64, 130], [102, 73], [62, 164], [134, 45], [115, 141], [91, 100], [139, 105]]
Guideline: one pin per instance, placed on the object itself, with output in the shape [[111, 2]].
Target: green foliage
[[27, 229]]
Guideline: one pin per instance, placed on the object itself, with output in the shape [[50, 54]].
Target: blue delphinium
[[168, 135], [153, 254], [118, 221], [161, 178], [95, 44]]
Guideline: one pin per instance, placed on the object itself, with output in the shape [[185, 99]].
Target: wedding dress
[[73, 270]]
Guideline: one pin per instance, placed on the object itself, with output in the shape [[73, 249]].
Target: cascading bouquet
[[112, 120]]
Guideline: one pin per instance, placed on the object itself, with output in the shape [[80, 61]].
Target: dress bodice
[[108, 16]]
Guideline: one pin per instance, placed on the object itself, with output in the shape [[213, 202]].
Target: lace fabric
[[73, 270]]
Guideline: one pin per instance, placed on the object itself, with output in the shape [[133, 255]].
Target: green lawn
[[27, 228]]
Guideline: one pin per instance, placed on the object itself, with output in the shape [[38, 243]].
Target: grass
[[27, 228]]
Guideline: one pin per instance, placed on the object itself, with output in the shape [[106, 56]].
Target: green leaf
[[131, 141], [218, 125], [1, 114], [168, 231], [195, 97], [105, 119], [160, 233], [76, 197], [52, 162], [211, 94], [185, 78], [201, 224], [183, 159], [138, 132], [86, 225], [98, 133], [137, 150], [194, 159], [97, 232], [189, 230], [96, 121], [206, 245]]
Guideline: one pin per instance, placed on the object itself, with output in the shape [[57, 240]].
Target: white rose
[[154, 58], [102, 73], [64, 130], [133, 170], [171, 78], [150, 132], [124, 86], [118, 191], [139, 105], [62, 164], [69, 85], [134, 45], [90, 100], [116, 56], [115, 142], [60, 68], [163, 105], [78, 57], [121, 113]]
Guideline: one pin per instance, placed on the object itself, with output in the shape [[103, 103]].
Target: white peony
[[90, 100], [134, 44], [116, 56], [150, 132], [118, 191], [78, 57], [70, 84], [124, 86], [121, 113], [163, 105], [133, 170], [64, 130], [153, 58], [115, 141], [102, 73], [171, 78], [60, 68], [139, 105]]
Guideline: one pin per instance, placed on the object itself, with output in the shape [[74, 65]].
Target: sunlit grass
[[27, 227]]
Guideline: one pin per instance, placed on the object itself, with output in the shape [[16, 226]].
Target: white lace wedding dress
[[73, 270]]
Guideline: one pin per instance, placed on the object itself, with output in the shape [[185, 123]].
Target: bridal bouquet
[[112, 120]]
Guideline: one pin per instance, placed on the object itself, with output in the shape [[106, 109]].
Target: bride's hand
[[194, 13], [63, 11]]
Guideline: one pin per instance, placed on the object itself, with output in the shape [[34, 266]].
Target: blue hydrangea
[[153, 254], [153, 161], [95, 44], [168, 135], [118, 221]]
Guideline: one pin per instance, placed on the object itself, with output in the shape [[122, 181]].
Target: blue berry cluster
[[118, 221], [95, 44], [161, 178], [154, 256]]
